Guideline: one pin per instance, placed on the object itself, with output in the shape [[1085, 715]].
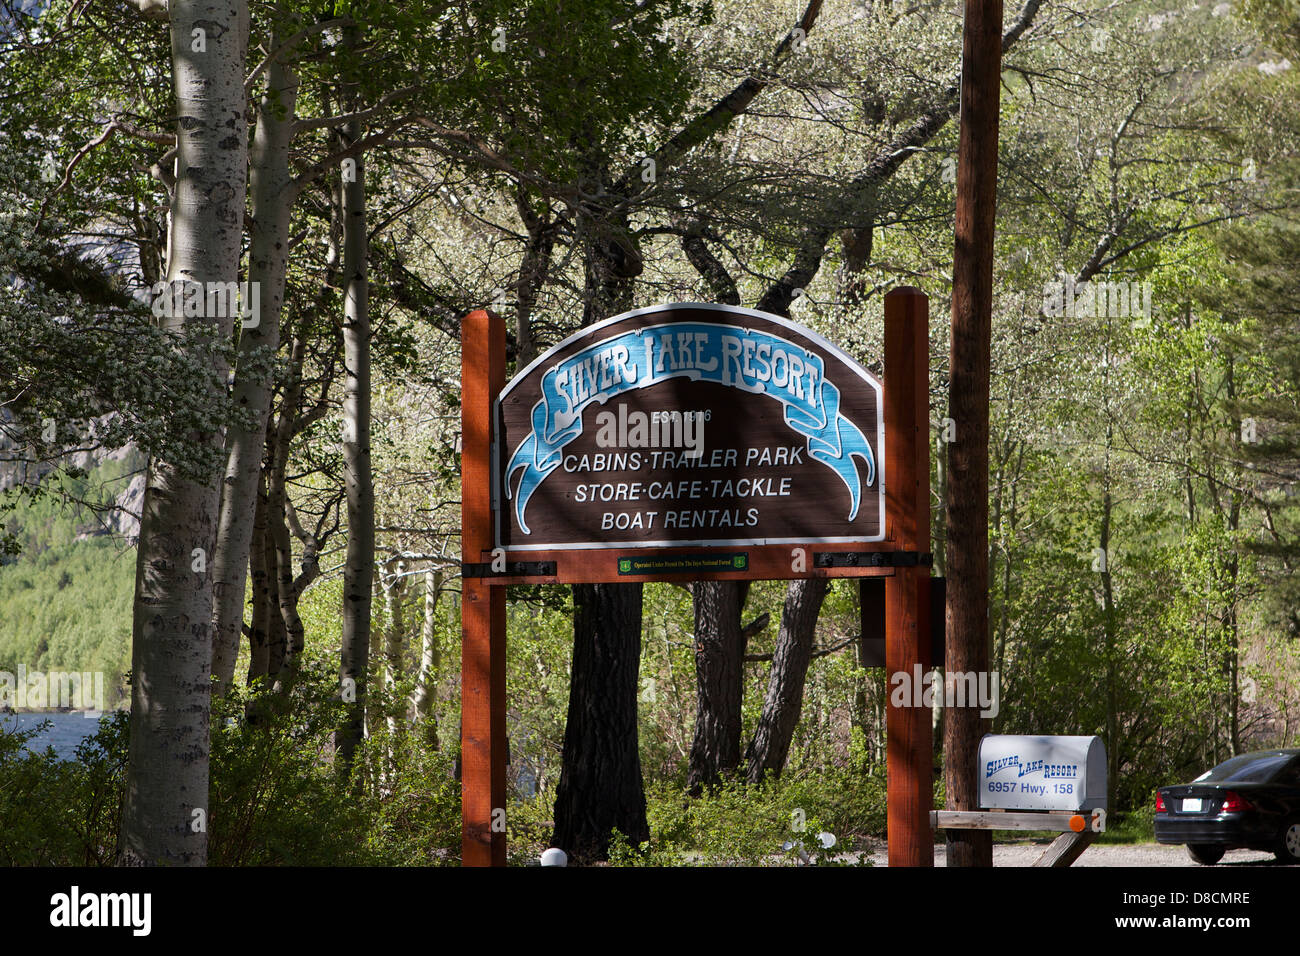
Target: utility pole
[[968, 406]]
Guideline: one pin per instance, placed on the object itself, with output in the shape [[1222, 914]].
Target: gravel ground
[[1135, 854]]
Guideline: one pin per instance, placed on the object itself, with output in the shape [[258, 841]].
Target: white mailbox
[[1020, 772]]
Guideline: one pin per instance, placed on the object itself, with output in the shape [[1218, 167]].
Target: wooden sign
[[689, 425], [694, 442]]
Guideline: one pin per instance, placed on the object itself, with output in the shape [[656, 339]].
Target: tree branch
[[807, 260], [720, 114], [488, 158], [812, 244], [1023, 23], [759, 658], [363, 116], [313, 172], [722, 286], [288, 44]]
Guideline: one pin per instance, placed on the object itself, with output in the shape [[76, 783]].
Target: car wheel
[[1288, 844], [1206, 854]]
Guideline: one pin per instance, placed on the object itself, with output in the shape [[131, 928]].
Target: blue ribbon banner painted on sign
[[745, 359]]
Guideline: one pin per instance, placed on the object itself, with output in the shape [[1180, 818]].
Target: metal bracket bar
[[871, 559], [514, 569]]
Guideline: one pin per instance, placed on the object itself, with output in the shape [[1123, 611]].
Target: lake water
[[64, 732]]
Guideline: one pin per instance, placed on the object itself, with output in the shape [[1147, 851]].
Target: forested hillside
[[65, 589]]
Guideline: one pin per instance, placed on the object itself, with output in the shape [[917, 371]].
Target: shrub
[[737, 824]]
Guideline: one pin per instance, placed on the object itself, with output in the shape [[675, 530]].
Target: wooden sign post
[[483, 606], [908, 730], [694, 442]]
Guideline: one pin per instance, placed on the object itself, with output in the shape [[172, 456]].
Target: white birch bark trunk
[[426, 681], [359, 564], [395, 647], [164, 818], [272, 204]]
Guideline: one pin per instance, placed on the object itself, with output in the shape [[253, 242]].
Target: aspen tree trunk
[[272, 203], [373, 714], [278, 507], [395, 647], [1233, 663], [164, 819], [1110, 649], [359, 566], [423, 697], [1109, 629]]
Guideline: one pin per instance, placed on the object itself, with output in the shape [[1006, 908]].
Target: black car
[[1251, 801]]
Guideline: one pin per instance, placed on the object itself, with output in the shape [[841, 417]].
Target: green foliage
[[1135, 826], [764, 825], [62, 812], [275, 799], [567, 85], [77, 343], [278, 800], [1277, 20], [1118, 152], [273, 796]]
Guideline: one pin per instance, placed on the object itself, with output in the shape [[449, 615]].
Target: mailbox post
[[1038, 783], [1019, 772]]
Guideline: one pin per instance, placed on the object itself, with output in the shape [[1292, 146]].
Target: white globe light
[[555, 857]]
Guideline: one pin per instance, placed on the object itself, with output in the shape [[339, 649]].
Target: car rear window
[[1246, 768]]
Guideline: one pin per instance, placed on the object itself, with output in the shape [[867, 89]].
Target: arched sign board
[[690, 425], [694, 442]]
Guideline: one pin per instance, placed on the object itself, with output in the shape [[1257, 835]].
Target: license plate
[[1192, 805]]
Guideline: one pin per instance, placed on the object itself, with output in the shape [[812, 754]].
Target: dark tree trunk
[[277, 639], [719, 681], [279, 553], [784, 699], [1109, 624], [278, 518], [533, 272], [259, 635], [968, 405], [770, 747], [600, 786]]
